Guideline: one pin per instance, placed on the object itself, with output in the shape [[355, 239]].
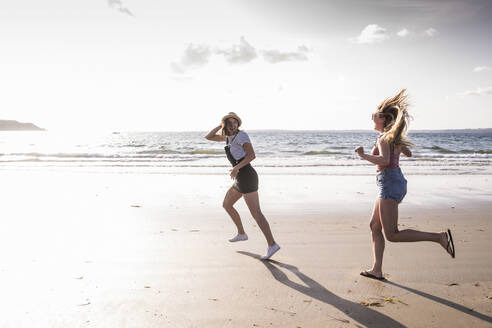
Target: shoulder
[[243, 135], [383, 144], [242, 138], [382, 140]]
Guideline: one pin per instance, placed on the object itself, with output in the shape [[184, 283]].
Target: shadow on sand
[[363, 315], [443, 301]]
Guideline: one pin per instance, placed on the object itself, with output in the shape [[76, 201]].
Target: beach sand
[[151, 250]]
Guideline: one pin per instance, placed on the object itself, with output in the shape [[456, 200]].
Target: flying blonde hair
[[395, 110]]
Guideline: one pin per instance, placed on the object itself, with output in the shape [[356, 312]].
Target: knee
[[375, 226], [226, 205], [391, 236]]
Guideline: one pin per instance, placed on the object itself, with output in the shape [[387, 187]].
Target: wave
[[189, 163], [441, 150], [192, 152], [422, 159], [470, 156], [64, 155], [323, 152], [154, 153], [470, 151], [133, 145], [157, 151], [205, 152]]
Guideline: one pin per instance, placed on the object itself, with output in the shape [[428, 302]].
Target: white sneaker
[[270, 251], [239, 237]]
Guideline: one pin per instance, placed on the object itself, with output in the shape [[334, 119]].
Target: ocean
[[277, 152]]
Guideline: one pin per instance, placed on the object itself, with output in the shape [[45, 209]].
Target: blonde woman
[[391, 120], [240, 153]]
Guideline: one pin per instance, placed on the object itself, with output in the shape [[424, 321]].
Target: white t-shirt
[[236, 144]]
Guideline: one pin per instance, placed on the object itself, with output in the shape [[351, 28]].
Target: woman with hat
[[240, 153]]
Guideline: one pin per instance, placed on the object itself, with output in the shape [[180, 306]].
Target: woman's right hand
[[359, 150], [213, 136]]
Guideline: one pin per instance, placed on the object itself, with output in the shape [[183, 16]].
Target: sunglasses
[[378, 115]]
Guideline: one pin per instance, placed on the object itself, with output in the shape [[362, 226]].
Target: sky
[[128, 65]]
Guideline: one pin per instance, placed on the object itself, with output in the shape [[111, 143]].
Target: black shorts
[[246, 180]]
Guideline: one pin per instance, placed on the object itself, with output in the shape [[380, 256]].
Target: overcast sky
[[147, 65]]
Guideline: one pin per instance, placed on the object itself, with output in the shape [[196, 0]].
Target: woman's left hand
[[234, 172]]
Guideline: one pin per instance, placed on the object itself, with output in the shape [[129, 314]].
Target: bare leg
[[388, 211], [231, 197], [253, 202], [377, 242]]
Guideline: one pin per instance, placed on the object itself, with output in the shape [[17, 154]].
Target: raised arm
[[213, 136], [384, 150]]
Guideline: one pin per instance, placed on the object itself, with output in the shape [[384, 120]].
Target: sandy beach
[[122, 121], [151, 250]]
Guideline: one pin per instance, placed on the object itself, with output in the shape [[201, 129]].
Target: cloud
[[118, 5], [198, 55], [477, 92], [275, 56], [239, 53], [371, 34], [431, 32], [403, 33], [195, 55], [481, 69]]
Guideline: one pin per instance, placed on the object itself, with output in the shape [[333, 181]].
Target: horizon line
[[253, 130]]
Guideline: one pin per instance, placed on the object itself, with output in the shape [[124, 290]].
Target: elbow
[[207, 137]]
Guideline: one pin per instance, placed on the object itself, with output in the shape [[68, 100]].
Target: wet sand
[[127, 250]]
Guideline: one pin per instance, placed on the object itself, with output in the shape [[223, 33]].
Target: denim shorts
[[392, 184]]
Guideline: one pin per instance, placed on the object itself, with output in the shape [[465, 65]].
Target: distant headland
[[10, 125]]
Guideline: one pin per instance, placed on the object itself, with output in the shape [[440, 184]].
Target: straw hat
[[233, 115]]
